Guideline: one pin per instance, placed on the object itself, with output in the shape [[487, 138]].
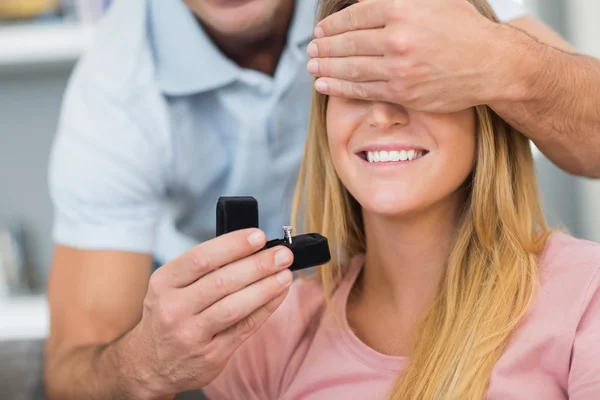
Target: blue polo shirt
[[157, 124]]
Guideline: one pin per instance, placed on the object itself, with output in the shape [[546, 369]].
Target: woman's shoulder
[[260, 365], [565, 319], [306, 302], [556, 342], [567, 255], [297, 314], [570, 269], [303, 303]]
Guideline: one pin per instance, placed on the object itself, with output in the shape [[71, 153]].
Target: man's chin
[[248, 25], [244, 30]]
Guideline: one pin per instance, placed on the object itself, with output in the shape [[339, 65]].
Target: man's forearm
[[95, 372], [553, 98]]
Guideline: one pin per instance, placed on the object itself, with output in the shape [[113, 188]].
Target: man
[[176, 106]]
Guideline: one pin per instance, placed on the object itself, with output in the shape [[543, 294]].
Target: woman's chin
[[398, 208], [406, 204]]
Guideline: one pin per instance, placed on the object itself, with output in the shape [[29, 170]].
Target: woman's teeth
[[393, 156]]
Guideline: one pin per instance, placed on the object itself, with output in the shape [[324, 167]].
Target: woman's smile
[[390, 155]]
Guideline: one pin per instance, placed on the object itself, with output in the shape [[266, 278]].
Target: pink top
[[303, 353]]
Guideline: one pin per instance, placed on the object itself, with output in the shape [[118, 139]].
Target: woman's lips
[[392, 156]]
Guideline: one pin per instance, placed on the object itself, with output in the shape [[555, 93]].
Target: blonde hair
[[491, 275]]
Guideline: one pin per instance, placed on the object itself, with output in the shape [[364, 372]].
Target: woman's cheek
[[339, 127], [344, 117]]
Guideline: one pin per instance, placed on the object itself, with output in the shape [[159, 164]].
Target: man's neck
[[260, 51]]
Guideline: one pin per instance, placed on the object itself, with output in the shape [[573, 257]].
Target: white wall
[[29, 104]]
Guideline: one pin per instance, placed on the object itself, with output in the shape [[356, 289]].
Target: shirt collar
[[188, 62]]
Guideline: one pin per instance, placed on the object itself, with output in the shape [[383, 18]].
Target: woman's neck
[[406, 258]]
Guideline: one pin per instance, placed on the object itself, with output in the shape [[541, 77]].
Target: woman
[[445, 282]]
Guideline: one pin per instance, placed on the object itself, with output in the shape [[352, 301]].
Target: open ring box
[[241, 212]]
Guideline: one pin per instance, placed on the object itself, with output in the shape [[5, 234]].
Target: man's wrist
[[136, 378], [516, 60]]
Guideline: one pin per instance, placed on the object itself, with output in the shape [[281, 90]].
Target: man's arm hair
[[556, 102], [90, 372]]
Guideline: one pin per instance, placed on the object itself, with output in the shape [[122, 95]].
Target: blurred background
[[40, 41]]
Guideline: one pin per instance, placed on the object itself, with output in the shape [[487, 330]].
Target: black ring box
[[241, 212]]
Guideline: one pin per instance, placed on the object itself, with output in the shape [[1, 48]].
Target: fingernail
[[312, 50], [256, 238], [313, 67], [321, 86], [282, 258], [319, 33], [285, 277]]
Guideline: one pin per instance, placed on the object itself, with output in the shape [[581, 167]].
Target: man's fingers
[[230, 339], [210, 255], [233, 277], [370, 42], [356, 69], [371, 91], [239, 305], [363, 15]]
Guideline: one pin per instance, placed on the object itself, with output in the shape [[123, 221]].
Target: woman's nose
[[383, 116]]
